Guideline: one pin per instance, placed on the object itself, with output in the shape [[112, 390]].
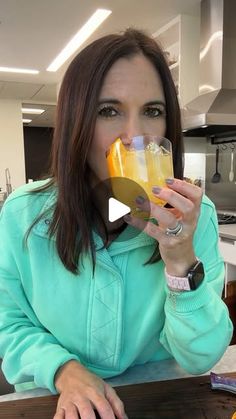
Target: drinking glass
[[144, 159]]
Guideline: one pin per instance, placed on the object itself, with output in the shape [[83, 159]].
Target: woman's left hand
[[176, 250]]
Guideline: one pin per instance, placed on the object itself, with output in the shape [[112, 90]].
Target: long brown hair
[[75, 122]]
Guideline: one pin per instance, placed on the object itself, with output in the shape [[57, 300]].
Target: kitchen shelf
[[169, 33], [180, 40], [174, 68]]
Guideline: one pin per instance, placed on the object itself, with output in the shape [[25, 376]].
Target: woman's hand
[[81, 392], [176, 251]]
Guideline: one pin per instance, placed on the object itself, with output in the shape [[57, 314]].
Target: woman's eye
[[107, 112], [153, 112]]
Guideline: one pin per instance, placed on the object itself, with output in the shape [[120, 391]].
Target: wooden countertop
[[183, 398]]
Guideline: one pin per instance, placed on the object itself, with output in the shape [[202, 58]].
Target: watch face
[[196, 276]]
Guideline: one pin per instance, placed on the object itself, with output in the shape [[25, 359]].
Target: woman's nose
[[132, 128]]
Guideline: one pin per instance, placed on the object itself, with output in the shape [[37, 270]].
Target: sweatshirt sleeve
[[29, 351], [198, 329]]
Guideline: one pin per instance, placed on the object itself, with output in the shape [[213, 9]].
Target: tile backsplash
[[195, 168]]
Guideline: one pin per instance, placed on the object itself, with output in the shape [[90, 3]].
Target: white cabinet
[[169, 39], [180, 39], [228, 251]]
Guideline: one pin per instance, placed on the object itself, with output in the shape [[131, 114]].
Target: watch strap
[[180, 283], [177, 283]]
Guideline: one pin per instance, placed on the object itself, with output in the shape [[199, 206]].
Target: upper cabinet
[[180, 40]]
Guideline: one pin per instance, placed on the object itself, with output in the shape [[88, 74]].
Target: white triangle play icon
[[116, 209]]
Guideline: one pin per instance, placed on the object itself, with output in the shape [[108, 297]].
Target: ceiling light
[[204, 126], [26, 121], [18, 70], [32, 110], [81, 36]]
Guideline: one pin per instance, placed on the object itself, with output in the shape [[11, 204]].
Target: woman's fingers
[[182, 196], [115, 402], [82, 392], [109, 406], [184, 205], [185, 199], [164, 216], [190, 191], [175, 212], [71, 412], [85, 410], [103, 407], [147, 226], [76, 410], [135, 222], [60, 414]]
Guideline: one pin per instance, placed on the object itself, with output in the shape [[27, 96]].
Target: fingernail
[[140, 199], [156, 189], [169, 181], [127, 218]]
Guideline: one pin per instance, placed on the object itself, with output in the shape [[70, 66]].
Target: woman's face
[[131, 103]]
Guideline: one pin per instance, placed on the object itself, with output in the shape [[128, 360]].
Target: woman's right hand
[[82, 391]]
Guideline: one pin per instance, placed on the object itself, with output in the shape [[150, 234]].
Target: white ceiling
[[32, 33]]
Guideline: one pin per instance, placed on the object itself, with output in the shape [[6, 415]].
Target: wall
[[11, 143], [195, 160], [37, 143]]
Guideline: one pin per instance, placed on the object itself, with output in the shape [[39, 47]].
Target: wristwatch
[[190, 282]]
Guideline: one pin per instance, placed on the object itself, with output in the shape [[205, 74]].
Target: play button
[[117, 209], [112, 199]]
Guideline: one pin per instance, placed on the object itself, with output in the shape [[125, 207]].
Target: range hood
[[215, 107]]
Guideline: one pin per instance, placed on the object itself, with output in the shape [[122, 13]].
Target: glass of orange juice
[[144, 159]]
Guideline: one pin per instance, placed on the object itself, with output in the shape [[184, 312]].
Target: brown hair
[[75, 122]]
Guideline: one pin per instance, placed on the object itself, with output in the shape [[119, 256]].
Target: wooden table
[[185, 398]]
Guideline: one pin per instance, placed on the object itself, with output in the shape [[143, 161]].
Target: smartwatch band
[[177, 283], [189, 282]]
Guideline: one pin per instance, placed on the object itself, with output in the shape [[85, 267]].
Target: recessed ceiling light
[[26, 121], [80, 37], [33, 111], [18, 70]]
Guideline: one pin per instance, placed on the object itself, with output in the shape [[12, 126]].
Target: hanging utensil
[[231, 173], [217, 176]]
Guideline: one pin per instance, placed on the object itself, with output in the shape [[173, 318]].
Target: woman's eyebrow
[[155, 102], [117, 102], [109, 100]]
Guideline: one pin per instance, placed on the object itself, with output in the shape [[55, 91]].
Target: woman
[[76, 306]]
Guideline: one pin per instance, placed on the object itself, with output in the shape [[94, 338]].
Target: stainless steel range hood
[[216, 104]]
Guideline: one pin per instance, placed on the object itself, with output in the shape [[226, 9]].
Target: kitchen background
[[199, 40]]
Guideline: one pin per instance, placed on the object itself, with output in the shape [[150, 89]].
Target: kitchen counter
[[153, 371], [228, 231]]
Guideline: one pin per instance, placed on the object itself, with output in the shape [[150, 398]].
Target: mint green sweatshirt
[[124, 316]]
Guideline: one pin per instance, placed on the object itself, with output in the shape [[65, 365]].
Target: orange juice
[[147, 165]]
